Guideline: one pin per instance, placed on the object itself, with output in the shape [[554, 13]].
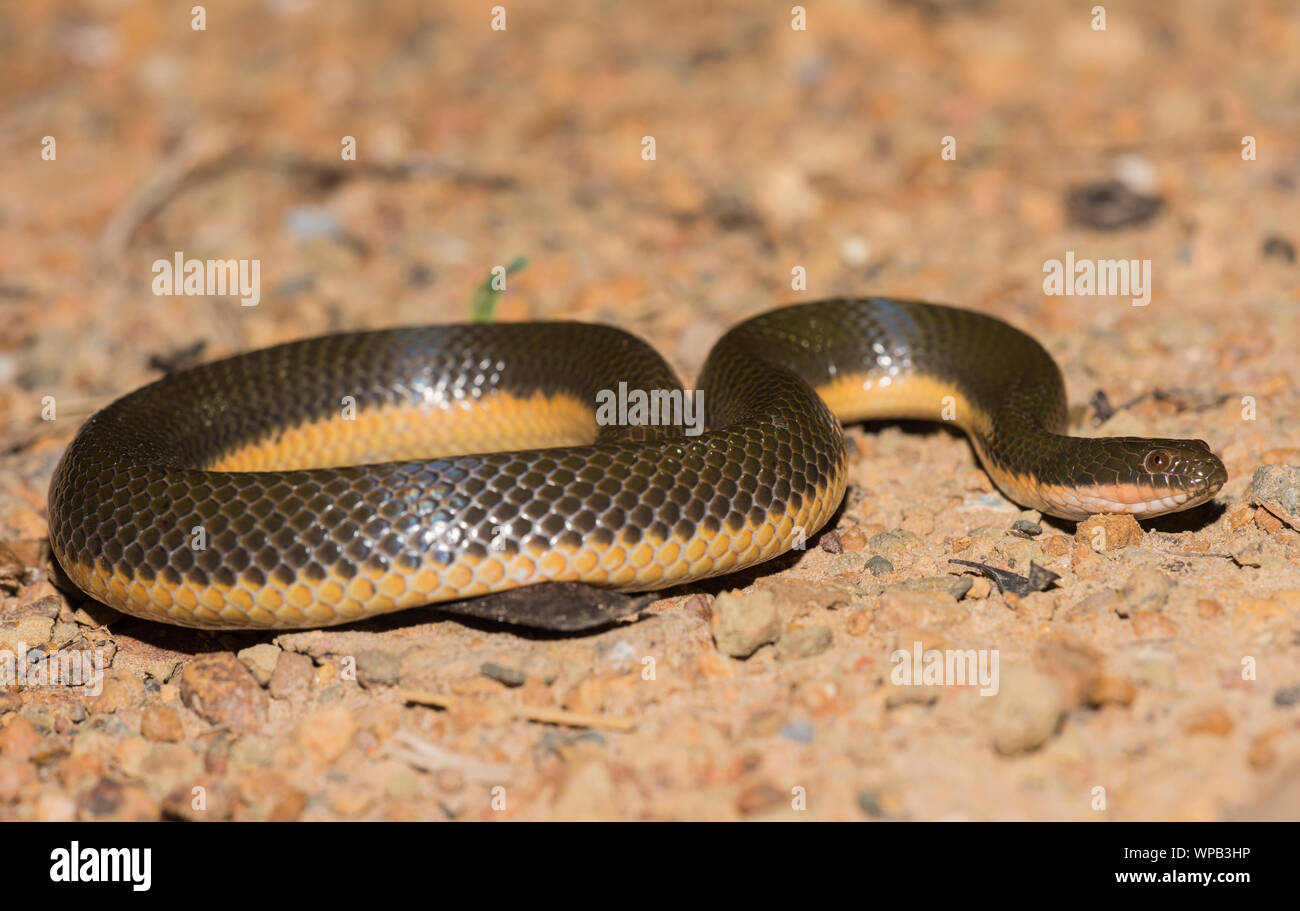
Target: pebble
[[852, 539], [980, 588], [831, 543], [1146, 589], [879, 566], [1109, 532], [111, 800], [1027, 710], [1109, 205], [1057, 546], [378, 667], [260, 660], [1288, 696], [508, 676], [18, 739], [1278, 247], [759, 798], [797, 731], [883, 804], [118, 692], [1277, 489], [894, 542], [161, 724], [1027, 528], [293, 675], [957, 586], [804, 642], [219, 689], [743, 623]]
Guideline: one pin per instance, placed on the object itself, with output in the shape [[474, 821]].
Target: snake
[[336, 478]]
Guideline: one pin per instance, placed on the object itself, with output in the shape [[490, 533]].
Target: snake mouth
[[1142, 500]]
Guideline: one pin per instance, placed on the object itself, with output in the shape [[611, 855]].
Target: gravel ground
[[1159, 678]]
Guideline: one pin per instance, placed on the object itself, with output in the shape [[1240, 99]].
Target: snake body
[[340, 477]]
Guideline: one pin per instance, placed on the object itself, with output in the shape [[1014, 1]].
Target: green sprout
[[484, 305]]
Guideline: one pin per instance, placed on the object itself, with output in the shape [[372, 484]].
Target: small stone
[[797, 731], [1027, 710], [699, 605], [18, 739], [1277, 489], [830, 542], [161, 724], [111, 800], [1215, 721], [1027, 528], [889, 543], [507, 676], [117, 692], [957, 586], [378, 667], [1287, 696], [743, 623], [1106, 533], [883, 804], [804, 642], [1267, 522], [1057, 546], [852, 539], [260, 660], [218, 688], [1146, 589], [292, 675], [759, 798], [980, 589], [879, 565], [1277, 247]]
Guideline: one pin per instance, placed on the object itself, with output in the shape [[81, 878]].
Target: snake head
[[1146, 478]]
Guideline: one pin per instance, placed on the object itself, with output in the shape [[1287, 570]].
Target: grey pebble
[[1287, 696], [1027, 528], [878, 566], [377, 667], [508, 676], [798, 731]]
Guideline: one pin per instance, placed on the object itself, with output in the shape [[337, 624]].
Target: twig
[[528, 712]]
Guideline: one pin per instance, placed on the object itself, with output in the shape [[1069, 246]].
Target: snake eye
[[1157, 460]]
